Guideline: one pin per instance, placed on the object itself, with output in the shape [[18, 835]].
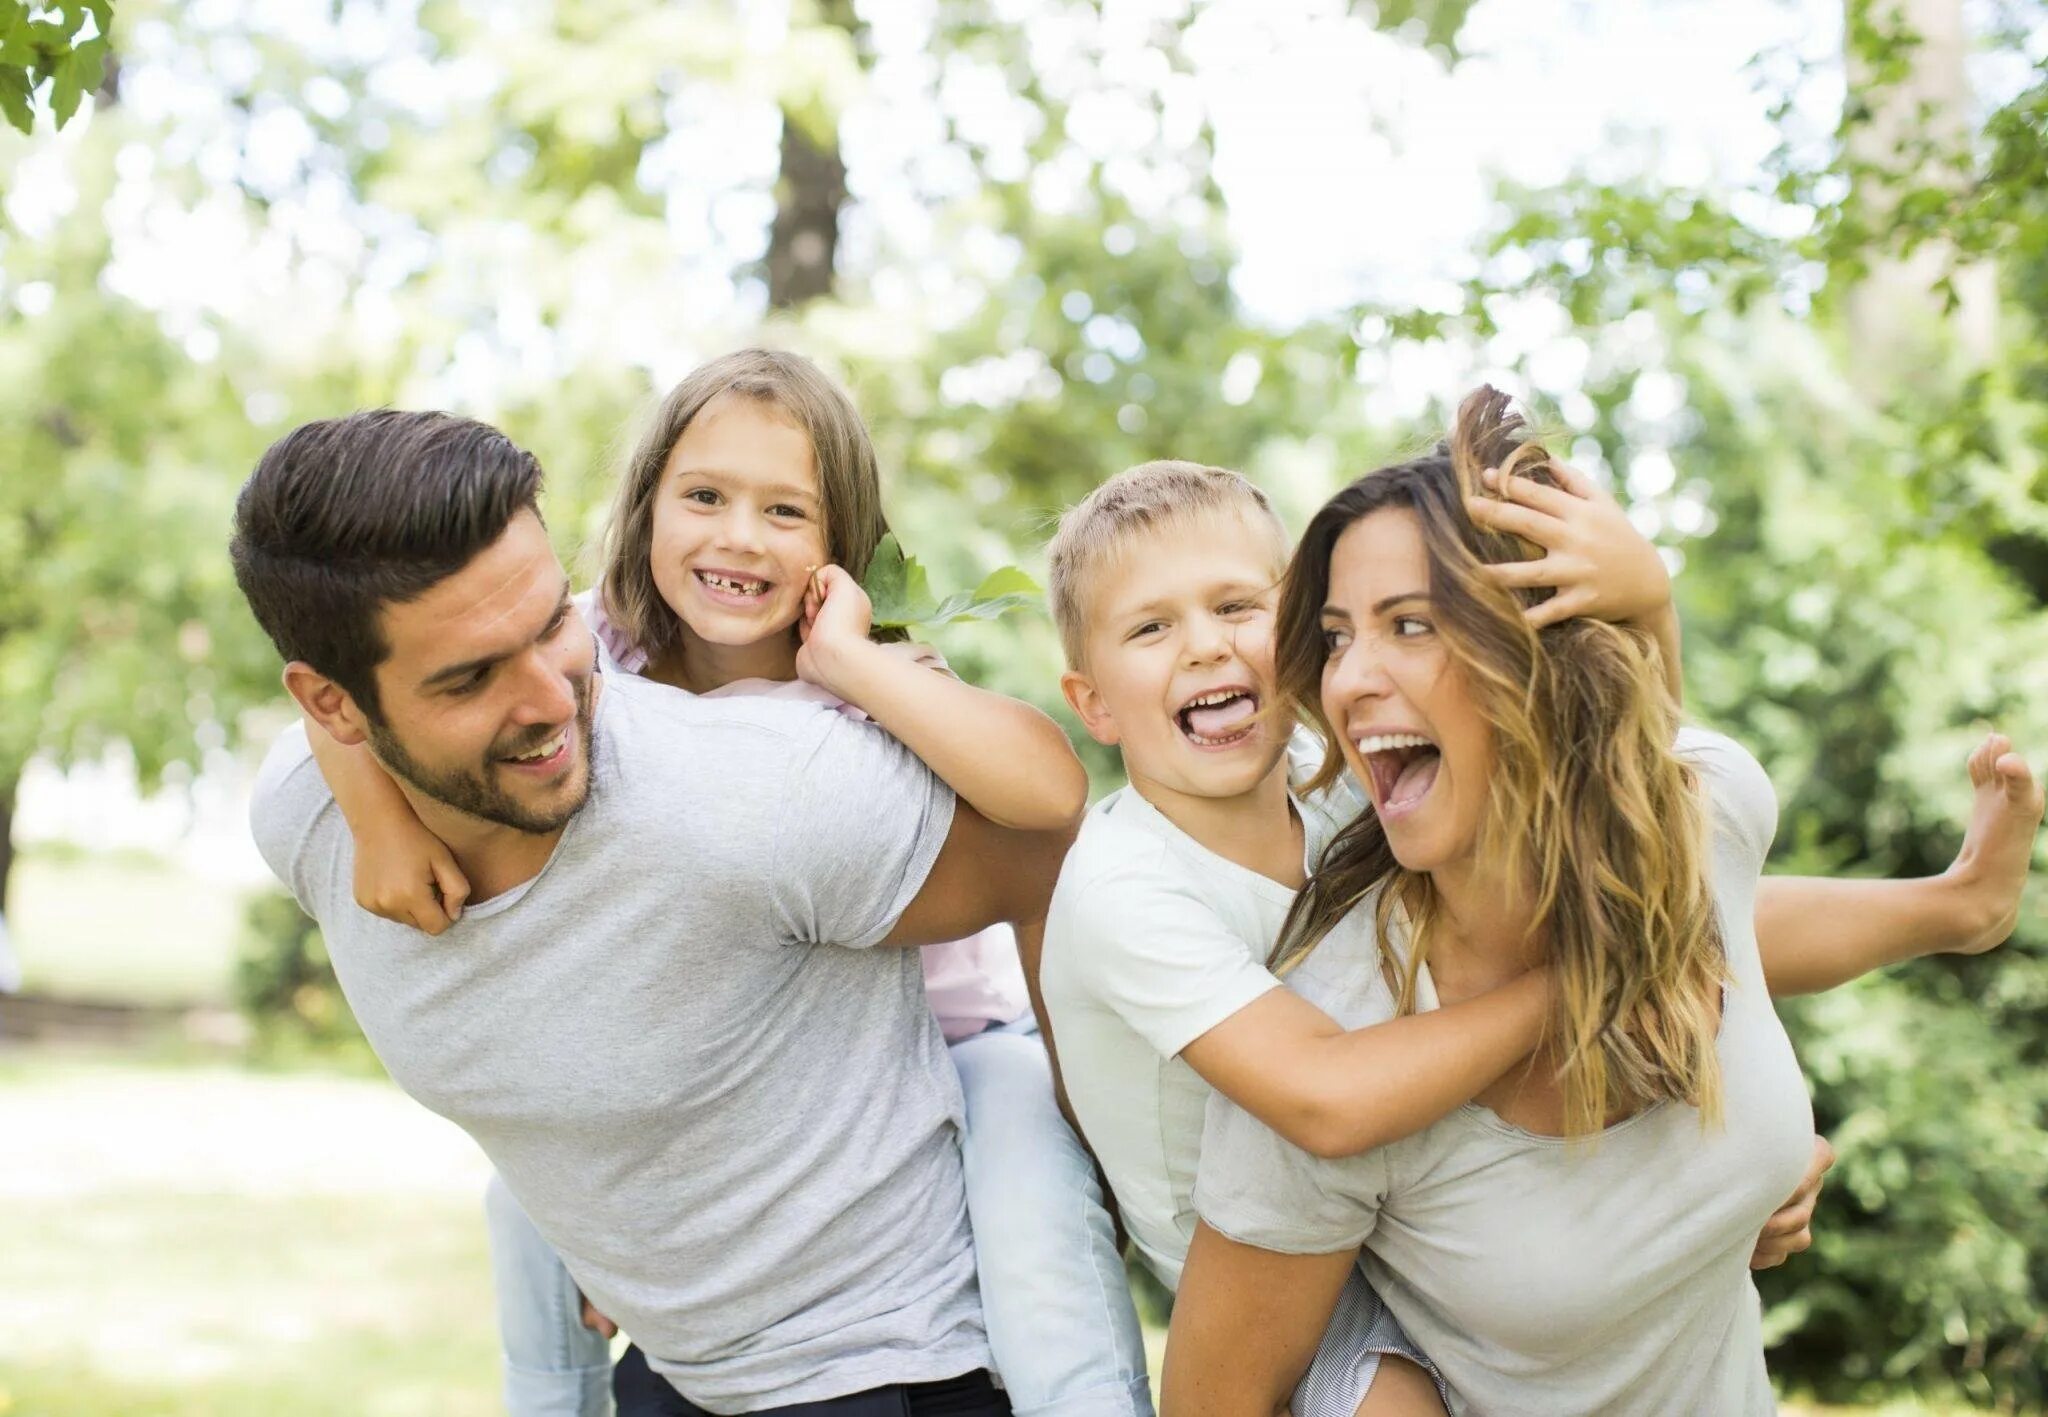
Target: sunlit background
[[1777, 270]]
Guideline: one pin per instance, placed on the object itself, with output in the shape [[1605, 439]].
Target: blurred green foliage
[[477, 215]]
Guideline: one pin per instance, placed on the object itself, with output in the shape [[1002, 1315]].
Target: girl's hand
[[1600, 566], [837, 616], [409, 876]]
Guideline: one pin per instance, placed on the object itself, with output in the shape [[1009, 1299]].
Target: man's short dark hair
[[347, 515]]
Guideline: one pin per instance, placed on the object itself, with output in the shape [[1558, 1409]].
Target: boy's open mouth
[[1402, 767], [1219, 718], [738, 587]]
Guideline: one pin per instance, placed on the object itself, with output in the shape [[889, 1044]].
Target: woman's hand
[[1599, 565], [405, 873]]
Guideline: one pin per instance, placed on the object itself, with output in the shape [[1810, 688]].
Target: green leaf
[[901, 595], [66, 92], [14, 99]]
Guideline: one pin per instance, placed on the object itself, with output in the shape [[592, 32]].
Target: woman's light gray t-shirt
[[1542, 1276], [736, 1123]]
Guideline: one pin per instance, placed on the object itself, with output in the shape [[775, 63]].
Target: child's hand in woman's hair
[[837, 617], [1600, 566]]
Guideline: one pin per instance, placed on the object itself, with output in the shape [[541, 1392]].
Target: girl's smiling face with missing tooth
[[738, 523], [1410, 729]]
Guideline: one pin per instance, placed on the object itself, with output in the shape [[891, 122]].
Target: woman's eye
[[1408, 626], [1335, 639]]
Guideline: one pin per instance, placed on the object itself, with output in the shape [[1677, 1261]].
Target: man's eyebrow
[[450, 673]]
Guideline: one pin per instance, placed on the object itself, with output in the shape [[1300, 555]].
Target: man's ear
[[1087, 704], [326, 703]]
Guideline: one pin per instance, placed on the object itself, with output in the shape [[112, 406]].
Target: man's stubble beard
[[474, 792]]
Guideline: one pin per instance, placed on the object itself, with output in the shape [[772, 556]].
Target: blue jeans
[[1061, 1326]]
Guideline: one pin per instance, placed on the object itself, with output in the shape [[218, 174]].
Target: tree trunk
[[7, 791], [803, 244], [1915, 133], [804, 240]]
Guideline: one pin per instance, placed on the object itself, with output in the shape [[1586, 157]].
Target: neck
[[699, 666], [494, 857], [1256, 830], [1483, 936]]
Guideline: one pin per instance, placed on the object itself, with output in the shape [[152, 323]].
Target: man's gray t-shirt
[[735, 1122], [1546, 1276]]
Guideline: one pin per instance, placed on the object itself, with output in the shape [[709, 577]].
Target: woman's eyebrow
[[1381, 607]]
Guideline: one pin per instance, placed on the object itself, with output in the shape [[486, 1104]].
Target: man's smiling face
[[486, 693]]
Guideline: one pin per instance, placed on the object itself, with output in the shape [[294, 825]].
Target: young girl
[[748, 511]]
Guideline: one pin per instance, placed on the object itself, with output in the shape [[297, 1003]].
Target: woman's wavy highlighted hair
[[1590, 812]]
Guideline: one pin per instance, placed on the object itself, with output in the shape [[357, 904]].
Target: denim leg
[[1060, 1320], [554, 1366]]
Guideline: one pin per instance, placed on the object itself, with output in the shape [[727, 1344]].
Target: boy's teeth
[[1387, 742]]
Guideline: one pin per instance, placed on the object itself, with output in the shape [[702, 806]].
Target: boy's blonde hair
[[1094, 531]]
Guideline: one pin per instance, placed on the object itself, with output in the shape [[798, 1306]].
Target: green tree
[[63, 44]]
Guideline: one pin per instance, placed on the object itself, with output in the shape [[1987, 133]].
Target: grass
[[214, 1242], [122, 929]]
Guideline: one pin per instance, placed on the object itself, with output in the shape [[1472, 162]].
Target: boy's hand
[[1600, 566], [410, 877], [1991, 869], [837, 616], [1790, 1228]]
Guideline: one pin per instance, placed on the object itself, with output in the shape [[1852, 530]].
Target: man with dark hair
[[662, 1015]]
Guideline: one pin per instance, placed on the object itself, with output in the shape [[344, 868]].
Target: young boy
[[1162, 584]]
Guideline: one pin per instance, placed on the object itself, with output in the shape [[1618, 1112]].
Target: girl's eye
[[1407, 627], [703, 496], [1237, 607], [783, 509]]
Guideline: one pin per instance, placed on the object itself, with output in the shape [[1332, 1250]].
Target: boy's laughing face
[[1179, 651]]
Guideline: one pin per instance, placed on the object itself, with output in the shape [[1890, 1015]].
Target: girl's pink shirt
[[971, 983]]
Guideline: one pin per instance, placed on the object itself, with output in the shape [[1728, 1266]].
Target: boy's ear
[[1088, 706], [326, 703]]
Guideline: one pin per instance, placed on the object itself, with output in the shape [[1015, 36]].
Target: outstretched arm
[[403, 872], [1337, 1093], [1815, 933], [1004, 758]]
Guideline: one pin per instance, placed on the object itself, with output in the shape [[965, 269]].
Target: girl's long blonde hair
[[1590, 812]]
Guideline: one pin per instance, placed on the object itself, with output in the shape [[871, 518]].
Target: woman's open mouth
[[1219, 718], [1400, 767]]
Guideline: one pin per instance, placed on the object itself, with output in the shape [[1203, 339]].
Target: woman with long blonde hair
[[1578, 1238]]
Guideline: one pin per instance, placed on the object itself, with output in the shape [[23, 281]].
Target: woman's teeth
[[1387, 742]]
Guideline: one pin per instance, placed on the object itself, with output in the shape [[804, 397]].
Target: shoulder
[[1344, 975], [1740, 798], [294, 819], [1115, 854]]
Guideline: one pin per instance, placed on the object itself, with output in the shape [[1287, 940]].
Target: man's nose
[[547, 688]]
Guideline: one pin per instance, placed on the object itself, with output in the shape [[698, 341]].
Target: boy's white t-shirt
[[1151, 941]]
